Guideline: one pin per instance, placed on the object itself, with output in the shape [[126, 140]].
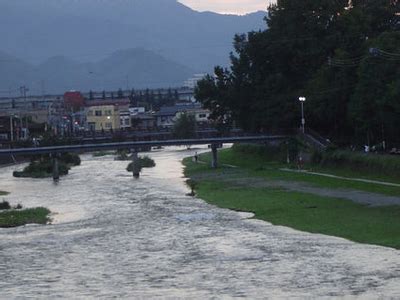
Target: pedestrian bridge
[[136, 146]]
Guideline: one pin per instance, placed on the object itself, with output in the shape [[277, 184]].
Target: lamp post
[[303, 120]]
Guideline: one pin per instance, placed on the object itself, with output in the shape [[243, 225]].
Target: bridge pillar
[[214, 151], [56, 169], [135, 164]]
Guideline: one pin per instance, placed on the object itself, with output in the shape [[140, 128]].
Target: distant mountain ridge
[[137, 68], [89, 31], [37, 29]]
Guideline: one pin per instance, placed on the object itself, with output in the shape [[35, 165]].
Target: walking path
[[240, 178], [341, 177]]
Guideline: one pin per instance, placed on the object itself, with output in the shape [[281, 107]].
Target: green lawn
[[306, 212], [14, 218], [258, 166]]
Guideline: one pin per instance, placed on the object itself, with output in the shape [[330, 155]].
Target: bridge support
[[214, 151], [56, 169], [135, 164]]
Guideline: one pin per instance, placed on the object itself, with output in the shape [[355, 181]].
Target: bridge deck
[[137, 144]]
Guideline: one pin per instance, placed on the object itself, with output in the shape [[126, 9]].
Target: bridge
[[136, 146]]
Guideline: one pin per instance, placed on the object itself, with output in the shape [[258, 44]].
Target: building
[[73, 101], [103, 117], [105, 114], [167, 115], [191, 83]]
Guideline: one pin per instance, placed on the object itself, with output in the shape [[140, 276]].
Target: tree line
[[343, 56]]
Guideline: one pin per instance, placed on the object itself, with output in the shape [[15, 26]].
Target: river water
[[116, 237]]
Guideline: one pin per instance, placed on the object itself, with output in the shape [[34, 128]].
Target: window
[[108, 125], [108, 113], [202, 116], [90, 113], [98, 113]]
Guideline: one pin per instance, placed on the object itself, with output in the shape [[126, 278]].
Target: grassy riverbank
[[255, 185], [14, 217]]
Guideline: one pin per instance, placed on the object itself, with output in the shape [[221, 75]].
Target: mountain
[[137, 68], [92, 29]]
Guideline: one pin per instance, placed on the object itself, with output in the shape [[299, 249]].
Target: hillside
[[92, 29], [137, 68]]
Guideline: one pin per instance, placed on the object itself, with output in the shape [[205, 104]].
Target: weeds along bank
[[259, 185], [13, 216]]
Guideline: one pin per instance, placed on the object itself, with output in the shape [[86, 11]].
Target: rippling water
[[116, 237]]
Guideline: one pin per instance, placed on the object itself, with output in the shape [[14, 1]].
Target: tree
[[184, 126], [103, 96], [318, 49]]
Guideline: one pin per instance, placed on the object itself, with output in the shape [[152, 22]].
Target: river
[[116, 237]]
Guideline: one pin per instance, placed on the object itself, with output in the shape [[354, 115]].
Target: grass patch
[[259, 166], [310, 213], [14, 218], [302, 211], [102, 153]]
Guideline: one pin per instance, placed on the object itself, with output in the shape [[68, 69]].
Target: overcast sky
[[228, 6]]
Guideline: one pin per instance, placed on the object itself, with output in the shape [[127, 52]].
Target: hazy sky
[[228, 6]]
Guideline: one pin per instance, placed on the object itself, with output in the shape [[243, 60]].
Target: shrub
[[4, 205], [383, 164], [144, 162]]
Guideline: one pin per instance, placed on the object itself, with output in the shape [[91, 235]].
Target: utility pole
[[23, 90], [11, 128]]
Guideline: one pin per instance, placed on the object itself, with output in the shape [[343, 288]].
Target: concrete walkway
[[240, 178], [341, 177]]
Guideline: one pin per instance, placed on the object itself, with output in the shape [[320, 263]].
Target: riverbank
[[303, 201]]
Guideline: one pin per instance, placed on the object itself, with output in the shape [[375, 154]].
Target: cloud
[[228, 6]]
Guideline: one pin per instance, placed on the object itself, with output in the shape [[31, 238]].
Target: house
[[73, 101], [143, 122], [105, 115], [167, 115]]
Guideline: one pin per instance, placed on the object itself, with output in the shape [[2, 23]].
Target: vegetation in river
[[122, 155], [42, 166], [144, 162], [102, 153], [19, 217], [235, 188]]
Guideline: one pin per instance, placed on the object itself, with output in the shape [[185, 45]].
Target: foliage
[[42, 166], [14, 218], [302, 211], [102, 153], [345, 60], [4, 205], [381, 164], [144, 162], [184, 126]]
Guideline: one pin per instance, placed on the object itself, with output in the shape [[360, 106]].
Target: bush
[[43, 168], [4, 205], [267, 152], [71, 159], [122, 155], [383, 164], [144, 162]]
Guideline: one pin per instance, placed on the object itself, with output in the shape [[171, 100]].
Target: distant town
[[97, 112]]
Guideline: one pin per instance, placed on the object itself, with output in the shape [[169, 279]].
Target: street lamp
[[303, 120]]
